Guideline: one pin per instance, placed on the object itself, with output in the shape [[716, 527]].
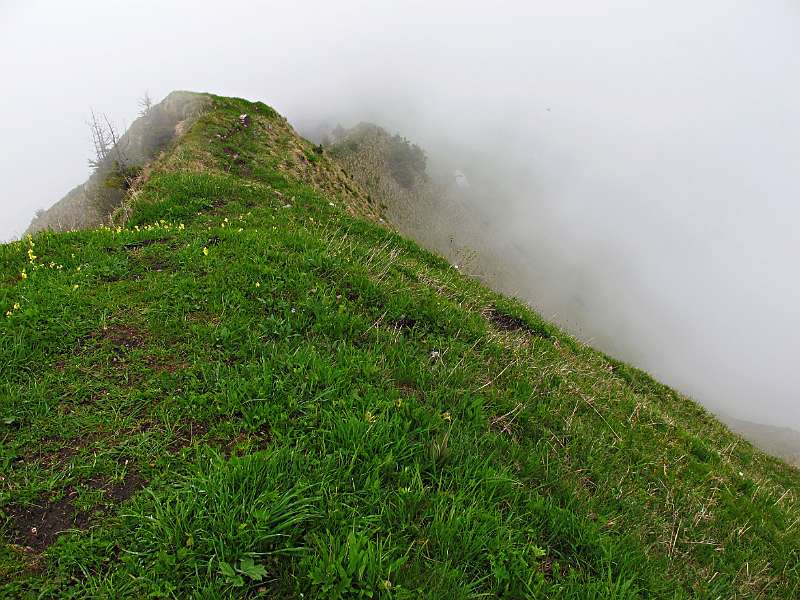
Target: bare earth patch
[[409, 389], [120, 490], [120, 336], [403, 324], [166, 365], [36, 527], [505, 321], [187, 435], [59, 456]]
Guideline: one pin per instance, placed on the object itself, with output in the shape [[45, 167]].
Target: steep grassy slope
[[379, 163], [453, 222], [253, 389], [778, 441], [438, 217]]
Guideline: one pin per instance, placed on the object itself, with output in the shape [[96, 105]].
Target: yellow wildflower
[[16, 305], [258, 284], [24, 275], [446, 416], [205, 250], [75, 287]]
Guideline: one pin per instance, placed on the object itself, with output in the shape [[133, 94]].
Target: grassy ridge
[[251, 389]]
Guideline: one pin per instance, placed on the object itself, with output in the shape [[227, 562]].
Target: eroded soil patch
[[403, 324], [153, 263], [61, 455], [121, 490], [506, 322], [37, 526], [187, 435], [165, 365], [120, 336]]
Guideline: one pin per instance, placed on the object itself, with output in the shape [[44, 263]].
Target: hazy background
[[642, 158]]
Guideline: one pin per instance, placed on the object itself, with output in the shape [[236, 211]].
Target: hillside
[[393, 170], [447, 220], [782, 442], [90, 203], [253, 387]]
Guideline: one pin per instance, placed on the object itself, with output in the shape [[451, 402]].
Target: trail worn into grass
[[252, 389]]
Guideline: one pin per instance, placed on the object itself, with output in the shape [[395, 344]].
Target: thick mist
[[639, 160]]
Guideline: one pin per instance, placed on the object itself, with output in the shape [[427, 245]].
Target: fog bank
[[640, 160]]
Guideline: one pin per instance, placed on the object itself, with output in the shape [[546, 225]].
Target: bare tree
[[115, 172], [106, 143], [145, 104]]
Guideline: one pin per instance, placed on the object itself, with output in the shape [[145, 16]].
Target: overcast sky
[[643, 157]]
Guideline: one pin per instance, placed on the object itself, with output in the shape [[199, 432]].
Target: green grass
[[317, 406]]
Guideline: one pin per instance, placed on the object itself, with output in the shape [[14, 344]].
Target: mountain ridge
[[249, 384]]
